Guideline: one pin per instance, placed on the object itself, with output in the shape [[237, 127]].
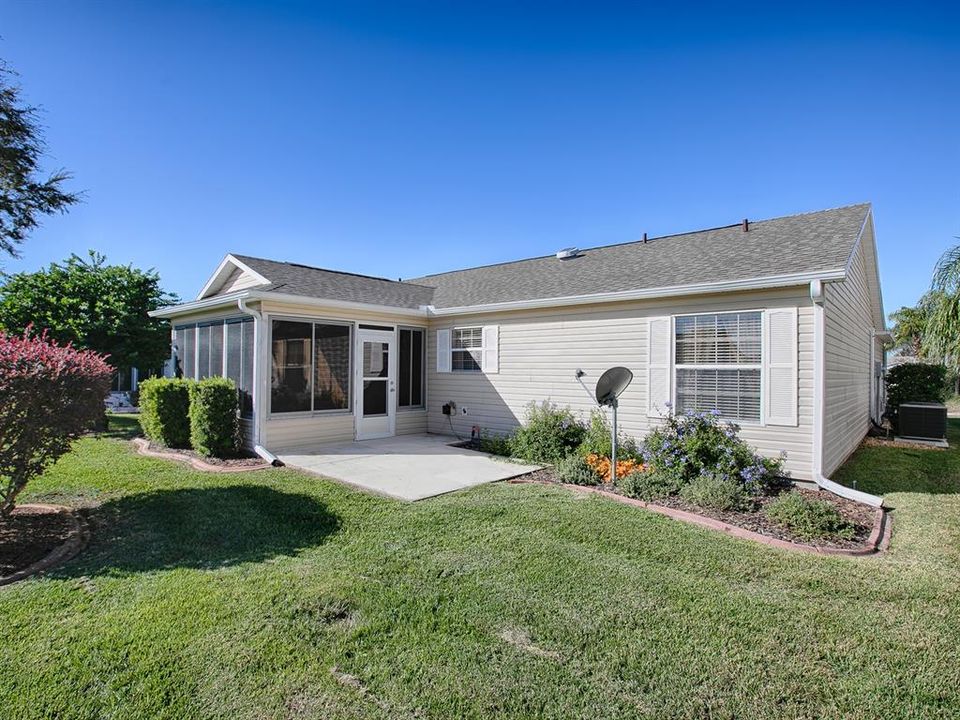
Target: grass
[[280, 595]]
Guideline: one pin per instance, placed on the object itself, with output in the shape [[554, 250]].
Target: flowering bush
[[601, 465], [49, 395], [597, 440], [689, 447], [549, 434]]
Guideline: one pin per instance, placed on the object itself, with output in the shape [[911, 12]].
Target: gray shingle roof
[[811, 242], [295, 279], [796, 244]]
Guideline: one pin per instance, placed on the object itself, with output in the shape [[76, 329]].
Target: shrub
[[914, 382], [809, 519], [597, 440], [548, 435], [574, 469], [717, 493], [215, 417], [165, 411], [647, 485], [687, 448], [495, 444], [50, 395]]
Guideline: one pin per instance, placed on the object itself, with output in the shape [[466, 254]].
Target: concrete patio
[[406, 467]]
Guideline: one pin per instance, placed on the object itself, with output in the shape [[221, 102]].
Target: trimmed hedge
[[914, 382], [164, 411], [215, 417]]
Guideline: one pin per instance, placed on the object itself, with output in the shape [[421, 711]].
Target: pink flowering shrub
[[49, 395]]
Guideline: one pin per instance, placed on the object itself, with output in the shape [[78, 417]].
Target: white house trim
[[222, 271], [764, 283]]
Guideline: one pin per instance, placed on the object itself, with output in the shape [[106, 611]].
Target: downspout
[[257, 413], [819, 385]]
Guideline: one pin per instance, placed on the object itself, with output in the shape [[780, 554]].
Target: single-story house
[[777, 324]]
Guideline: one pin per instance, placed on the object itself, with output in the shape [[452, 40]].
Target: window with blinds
[[717, 359], [467, 350]]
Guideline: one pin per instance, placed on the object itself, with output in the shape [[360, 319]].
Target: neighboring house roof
[[781, 251], [294, 279], [813, 242]]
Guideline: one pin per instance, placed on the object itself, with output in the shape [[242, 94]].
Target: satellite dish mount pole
[[613, 443]]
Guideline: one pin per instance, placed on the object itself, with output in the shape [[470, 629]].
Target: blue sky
[[399, 139]]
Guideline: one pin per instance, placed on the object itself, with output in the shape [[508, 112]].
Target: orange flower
[[624, 467]]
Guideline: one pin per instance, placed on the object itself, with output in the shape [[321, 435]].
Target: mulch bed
[[33, 533], [862, 517], [198, 461]]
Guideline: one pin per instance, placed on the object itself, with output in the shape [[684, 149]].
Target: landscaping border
[[67, 550], [878, 540], [143, 447]]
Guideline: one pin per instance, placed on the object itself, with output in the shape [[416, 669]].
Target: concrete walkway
[[406, 467]]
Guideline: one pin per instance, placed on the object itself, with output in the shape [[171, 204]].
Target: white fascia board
[[221, 272], [259, 295], [172, 311], [763, 283]]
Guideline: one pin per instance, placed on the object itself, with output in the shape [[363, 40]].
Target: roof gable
[[231, 274]]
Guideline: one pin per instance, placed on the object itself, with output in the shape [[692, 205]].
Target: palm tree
[[942, 330]]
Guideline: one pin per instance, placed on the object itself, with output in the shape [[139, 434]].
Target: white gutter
[[772, 281], [258, 295], [819, 385]]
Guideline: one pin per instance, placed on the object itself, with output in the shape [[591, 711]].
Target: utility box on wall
[[922, 421]]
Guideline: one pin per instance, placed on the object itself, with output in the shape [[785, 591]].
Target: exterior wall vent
[[567, 253]]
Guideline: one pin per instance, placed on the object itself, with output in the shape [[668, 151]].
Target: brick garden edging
[[66, 550], [878, 540], [143, 447]]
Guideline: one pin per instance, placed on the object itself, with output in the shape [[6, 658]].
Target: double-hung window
[[718, 364], [467, 349]]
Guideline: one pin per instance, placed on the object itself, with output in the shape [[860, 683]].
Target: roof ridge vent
[[567, 253]]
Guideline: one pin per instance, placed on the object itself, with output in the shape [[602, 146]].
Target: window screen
[[411, 368], [290, 389], [311, 367], [331, 367]]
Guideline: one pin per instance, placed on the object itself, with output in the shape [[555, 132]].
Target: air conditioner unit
[[922, 421]]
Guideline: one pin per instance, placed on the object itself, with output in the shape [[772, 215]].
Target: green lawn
[[237, 596]]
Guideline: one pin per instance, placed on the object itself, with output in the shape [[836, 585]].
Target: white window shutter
[[491, 348], [659, 373], [780, 366], [443, 351]]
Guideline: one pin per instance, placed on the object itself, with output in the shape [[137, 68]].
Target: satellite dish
[[613, 382]]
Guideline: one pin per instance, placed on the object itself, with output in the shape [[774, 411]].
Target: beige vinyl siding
[[238, 280], [848, 326], [411, 421], [284, 433], [540, 352]]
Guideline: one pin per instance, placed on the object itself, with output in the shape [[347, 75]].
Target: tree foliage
[[24, 194], [50, 395], [941, 340], [94, 306]]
